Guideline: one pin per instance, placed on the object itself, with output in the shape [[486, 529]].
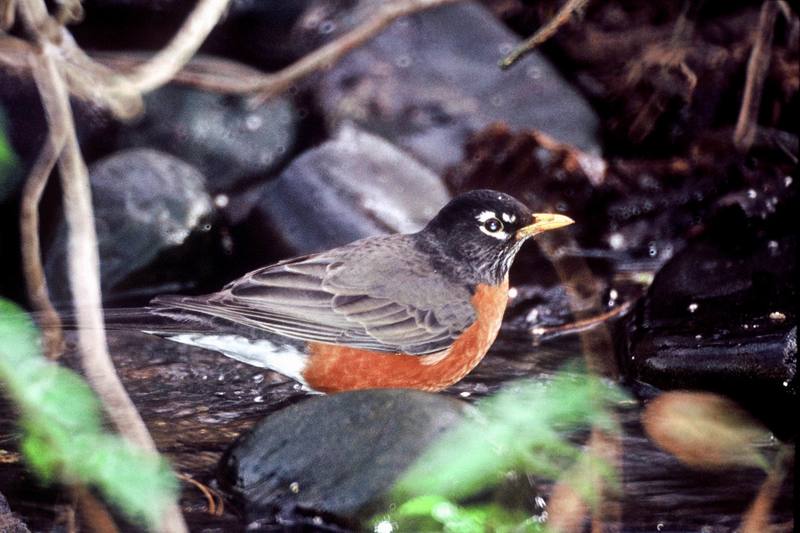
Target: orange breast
[[334, 368]]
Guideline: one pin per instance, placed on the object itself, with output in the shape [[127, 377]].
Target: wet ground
[[196, 403]]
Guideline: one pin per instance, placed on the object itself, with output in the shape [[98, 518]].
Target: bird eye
[[493, 225]]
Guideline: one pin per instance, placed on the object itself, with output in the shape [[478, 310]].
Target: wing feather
[[377, 294]]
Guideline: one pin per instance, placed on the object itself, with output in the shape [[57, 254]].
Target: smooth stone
[[353, 186], [8, 522], [430, 80], [255, 32], [152, 216], [723, 319], [234, 145], [334, 456]]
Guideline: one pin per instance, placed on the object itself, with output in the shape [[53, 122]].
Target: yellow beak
[[543, 222]]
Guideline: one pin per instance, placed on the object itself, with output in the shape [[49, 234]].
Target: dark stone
[[721, 316], [256, 32], [8, 522], [353, 186], [233, 144], [152, 214], [334, 456], [431, 79], [22, 118]]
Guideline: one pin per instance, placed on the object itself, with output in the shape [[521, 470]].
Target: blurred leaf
[[705, 430], [61, 422], [434, 513], [519, 428], [8, 161], [522, 428]]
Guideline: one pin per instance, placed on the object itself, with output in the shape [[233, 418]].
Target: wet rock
[[721, 316], [153, 216], [23, 121], [257, 32], [426, 87], [333, 458], [232, 144], [353, 186], [8, 522]]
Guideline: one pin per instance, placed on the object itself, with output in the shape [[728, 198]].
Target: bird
[[417, 310]]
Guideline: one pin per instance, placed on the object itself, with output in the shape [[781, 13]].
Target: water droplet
[[787, 181], [384, 526], [326, 27], [294, 486], [465, 394], [693, 307], [258, 399], [652, 250], [403, 61], [752, 194], [513, 293], [253, 122], [533, 73], [777, 316], [221, 200], [616, 241]]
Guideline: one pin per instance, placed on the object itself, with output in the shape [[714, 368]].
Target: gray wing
[[378, 294]]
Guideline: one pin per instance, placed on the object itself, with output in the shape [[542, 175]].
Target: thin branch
[[332, 52], [544, 33], [7, 12], [579, 325], [35, 280], [163, 66], [229, 77], [84, 268], [756, 518], [747, 123]]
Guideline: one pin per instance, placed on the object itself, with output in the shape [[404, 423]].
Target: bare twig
[[747, 123], [212, 497], [7, 12], [225, 76], [82, 249], [163, 66], [756, 519], [35, 280], [548, 30], [93, 511], [581, 325], [327, 55]]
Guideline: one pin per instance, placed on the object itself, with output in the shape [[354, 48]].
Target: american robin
[[413, 310]]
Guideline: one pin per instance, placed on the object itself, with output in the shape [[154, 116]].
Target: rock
[[8, 522], [232, 144], [334, 456], [720, 316], [152, 213], [426, 87], [353, 186], [256, 32]]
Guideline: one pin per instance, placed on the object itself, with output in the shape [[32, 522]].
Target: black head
[[480, 233]]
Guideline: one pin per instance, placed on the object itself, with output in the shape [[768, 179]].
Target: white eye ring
[[484, 217]]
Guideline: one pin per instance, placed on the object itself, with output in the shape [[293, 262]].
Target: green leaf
[[520, 428], [62, 434]]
